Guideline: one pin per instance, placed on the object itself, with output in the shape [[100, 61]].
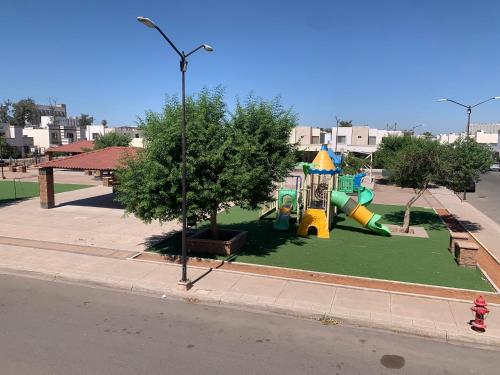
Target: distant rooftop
[[73, 148]]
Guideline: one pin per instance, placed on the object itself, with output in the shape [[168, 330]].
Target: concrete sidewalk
[[485, 230], [85, 217], [432, 317]]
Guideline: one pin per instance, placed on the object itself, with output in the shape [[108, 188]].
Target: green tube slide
[[283, 219], [365, 196], [359, 213]]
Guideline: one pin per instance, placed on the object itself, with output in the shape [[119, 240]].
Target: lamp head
[[496, 97], [146, 21], [442, 100], [207, 48]]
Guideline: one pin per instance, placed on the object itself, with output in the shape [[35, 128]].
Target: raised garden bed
[[229, 242]]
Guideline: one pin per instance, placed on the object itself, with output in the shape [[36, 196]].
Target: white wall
[[95, 129], [489, 138], [41, 137], [137, 142]]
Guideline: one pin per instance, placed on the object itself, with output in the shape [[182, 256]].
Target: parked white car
[[495, 167]]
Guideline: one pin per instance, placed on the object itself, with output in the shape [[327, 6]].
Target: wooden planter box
[[232, 240]]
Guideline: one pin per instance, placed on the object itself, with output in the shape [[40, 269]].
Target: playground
[[323, 222]]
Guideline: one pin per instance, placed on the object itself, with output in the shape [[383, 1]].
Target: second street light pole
[[467, 130], [469, 109], [184, 282]]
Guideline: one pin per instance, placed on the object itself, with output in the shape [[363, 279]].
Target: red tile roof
[[106, 159], [75, 147]]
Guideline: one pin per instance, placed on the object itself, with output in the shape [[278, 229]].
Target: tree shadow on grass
[[429, 220], [262, 240]]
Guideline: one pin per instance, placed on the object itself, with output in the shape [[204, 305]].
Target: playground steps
[[314, 217]]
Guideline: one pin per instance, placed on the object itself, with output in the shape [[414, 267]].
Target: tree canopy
[[18, 113], [112, 139], [465, 161], [85, 120], [388, 148], [414, 163], [417, 162], [345, 124], [231, 159]]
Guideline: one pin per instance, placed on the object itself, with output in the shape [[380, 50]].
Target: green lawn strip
[[26, 189], [353, 250]]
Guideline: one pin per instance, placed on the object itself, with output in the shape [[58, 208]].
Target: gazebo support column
[[46, 181]]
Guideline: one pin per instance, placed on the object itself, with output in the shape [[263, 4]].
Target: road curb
[[206, 299]]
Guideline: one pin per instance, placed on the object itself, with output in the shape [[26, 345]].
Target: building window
[[54, 136], [95, 135], [314, 140], [137, 135], [70, 137], [359, 137], [372, 140], [341, 139]]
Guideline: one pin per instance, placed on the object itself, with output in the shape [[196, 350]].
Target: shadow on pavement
[[101, 201]]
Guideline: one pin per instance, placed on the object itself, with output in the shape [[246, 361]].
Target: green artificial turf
[[353, 250], [11, 191]]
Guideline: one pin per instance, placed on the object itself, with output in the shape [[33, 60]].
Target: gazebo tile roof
[[106, 159]]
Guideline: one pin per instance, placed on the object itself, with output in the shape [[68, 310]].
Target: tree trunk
[[214, 228], [406, 220]]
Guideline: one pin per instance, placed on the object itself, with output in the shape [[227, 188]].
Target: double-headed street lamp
[[184, 282], [467, 131], [469, 108]]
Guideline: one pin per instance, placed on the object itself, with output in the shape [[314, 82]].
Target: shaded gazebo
[[104, 160]]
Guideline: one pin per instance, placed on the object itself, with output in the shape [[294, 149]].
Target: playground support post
[[183, 67]]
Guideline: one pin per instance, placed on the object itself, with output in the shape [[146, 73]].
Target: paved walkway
[[433, 317], [484, 229], [85, 217]]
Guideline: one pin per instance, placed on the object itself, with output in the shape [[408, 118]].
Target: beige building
[[344, 139], [15, 138]]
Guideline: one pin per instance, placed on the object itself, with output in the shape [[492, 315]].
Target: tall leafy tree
[[6, 112], [234, 159], [466, 160], [388, 148], [24, 111], [112, 139], [85, 120], [415, 165]]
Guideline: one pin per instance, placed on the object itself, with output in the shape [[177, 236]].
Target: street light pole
[[184, 282], [467, 130], [469, 109]]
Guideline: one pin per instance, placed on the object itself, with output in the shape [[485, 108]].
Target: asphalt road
[[487, 195], [54, 328]]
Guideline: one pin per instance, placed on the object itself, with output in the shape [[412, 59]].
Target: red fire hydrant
[[480, 313]]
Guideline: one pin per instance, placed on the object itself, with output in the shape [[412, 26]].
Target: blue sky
[[373, 62]]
